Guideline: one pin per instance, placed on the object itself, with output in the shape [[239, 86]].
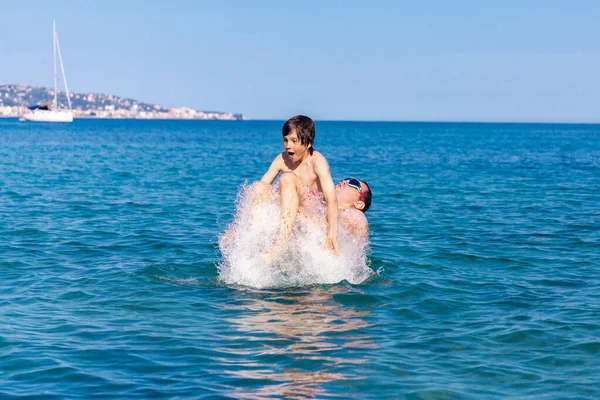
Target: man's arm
[[273, 171], [322, 171], [363, 229]]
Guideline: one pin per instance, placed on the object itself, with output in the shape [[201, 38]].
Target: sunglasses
[[355, 184]]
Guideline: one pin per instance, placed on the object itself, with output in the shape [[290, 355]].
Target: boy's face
[[292, 146]]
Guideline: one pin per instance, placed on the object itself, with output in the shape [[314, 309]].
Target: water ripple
[[485, 238]]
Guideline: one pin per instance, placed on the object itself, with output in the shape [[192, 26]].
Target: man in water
[[354, 199], [308, 260]]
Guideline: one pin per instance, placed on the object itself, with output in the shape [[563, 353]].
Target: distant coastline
[[15, 100]]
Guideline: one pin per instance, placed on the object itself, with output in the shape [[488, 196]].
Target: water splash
[[305, 262]]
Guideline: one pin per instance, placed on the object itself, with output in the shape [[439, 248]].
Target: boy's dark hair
[[305, 129], [367, 196]]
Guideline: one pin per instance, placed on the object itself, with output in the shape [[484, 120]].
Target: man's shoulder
[[355, 221], [363, 223], [360, 216]]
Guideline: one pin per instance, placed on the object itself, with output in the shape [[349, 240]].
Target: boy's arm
[[322, 171], [271, 174]]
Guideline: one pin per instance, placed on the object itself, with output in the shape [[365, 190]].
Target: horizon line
[[340, 120], [439, 121]]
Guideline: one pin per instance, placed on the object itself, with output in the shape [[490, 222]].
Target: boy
[[304, 174]]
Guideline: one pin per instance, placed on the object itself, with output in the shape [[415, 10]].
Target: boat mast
[[54, 50], [64, 76]]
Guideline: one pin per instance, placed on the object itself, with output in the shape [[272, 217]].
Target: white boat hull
[[48, 116]]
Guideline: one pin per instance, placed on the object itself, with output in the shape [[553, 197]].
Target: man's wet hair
[[305, 129], [367, 196]]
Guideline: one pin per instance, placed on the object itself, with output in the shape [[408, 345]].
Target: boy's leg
[[260, 192], [291, 187], [290, 201]]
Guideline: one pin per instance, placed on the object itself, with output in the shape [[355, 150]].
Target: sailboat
[[50, 111]]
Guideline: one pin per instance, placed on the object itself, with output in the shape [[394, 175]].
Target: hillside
[[14, 100]]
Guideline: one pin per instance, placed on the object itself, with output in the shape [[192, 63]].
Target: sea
[[481, 279]]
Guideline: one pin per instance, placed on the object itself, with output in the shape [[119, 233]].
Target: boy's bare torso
[[305, 170]]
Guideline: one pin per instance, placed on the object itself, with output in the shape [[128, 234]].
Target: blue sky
[[380, 60]]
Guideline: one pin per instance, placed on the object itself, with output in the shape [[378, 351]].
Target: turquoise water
[[486, 239]]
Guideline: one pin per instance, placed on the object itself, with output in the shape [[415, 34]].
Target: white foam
[[306, 262]]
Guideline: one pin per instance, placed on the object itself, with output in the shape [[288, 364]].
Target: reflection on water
[[294, 342]]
